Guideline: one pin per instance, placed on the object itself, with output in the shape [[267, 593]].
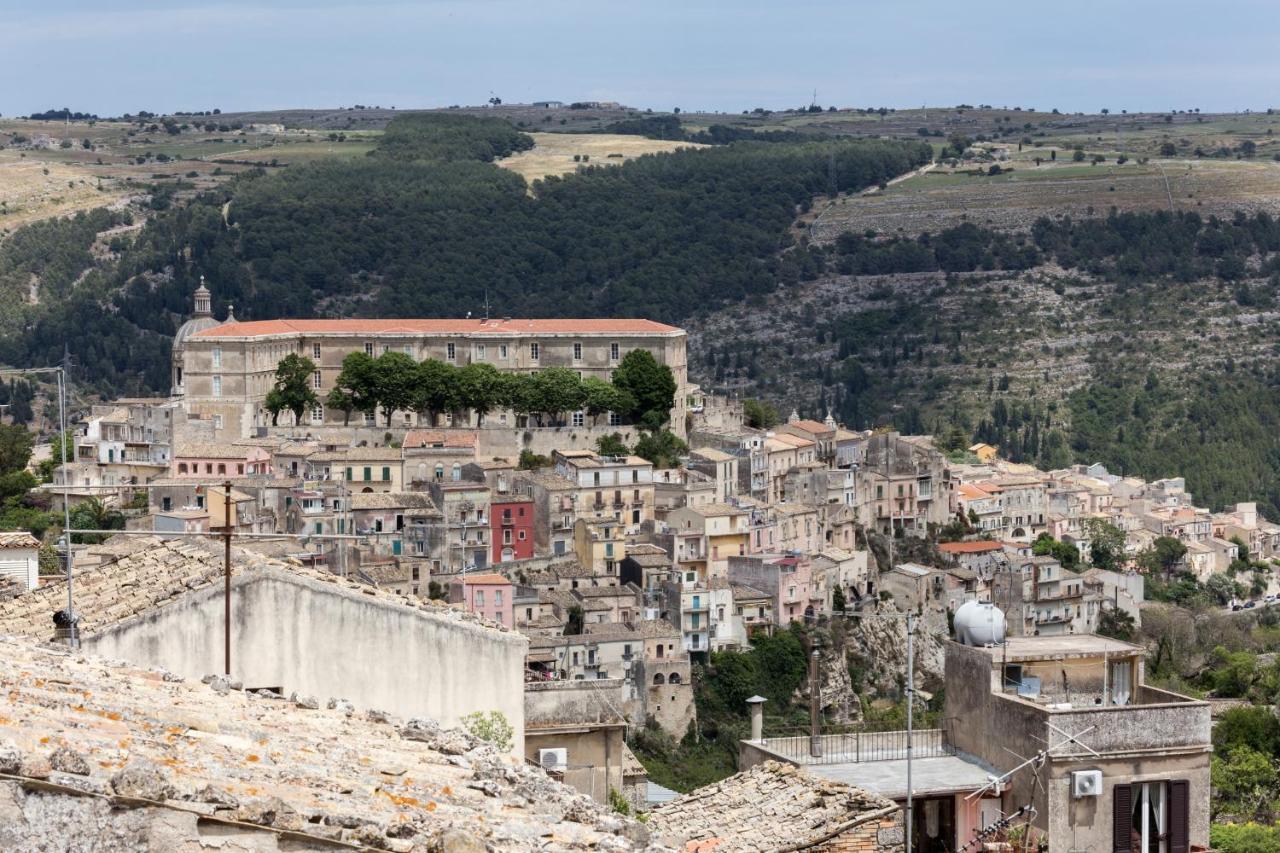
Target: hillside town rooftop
[[94, 749]]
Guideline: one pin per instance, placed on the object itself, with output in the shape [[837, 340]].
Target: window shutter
[[1122, 818], [1179, 816]]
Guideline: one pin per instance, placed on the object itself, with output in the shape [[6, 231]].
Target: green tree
[[1245, 782], [354, 389], [480, 387], [1168, 149], [651, 386], [530, 461], [1222, 588], [93, 514], [1165, 555], [612, 445], [556, 390], [1106, 543], [435, 389], [1064, 552], [395, 378], [837, 599], [759, 414], [15, 447], [600, 398], [1116, 623], [293, 388], [662, 448], [1255, 727]]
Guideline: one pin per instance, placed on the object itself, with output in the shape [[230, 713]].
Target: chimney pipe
[[756, 704]]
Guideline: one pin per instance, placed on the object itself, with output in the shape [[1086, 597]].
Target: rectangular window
[[315, 351], [368, 474], [479, 352], [478, 598], [386, 474], [451, 351], [408, 350], [497, 598], [579, 419], [613, 352], [349, 477], [534, 352], [217, 386], [217, 358], [315, 380], [502, 352], [577, 352], [217, 421], [368, 349], [317, 414]]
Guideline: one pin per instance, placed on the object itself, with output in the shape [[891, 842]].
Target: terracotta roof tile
[[260, 328]]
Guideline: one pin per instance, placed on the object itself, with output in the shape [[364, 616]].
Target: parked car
[[1249, 604]]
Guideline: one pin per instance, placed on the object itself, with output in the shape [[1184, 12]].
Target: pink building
[[487, 595], [208, 459]]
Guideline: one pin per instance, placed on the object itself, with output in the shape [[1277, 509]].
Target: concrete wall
[[304, 635], [1147, 742]]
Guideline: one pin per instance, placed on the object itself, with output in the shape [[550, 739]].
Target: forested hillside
[[426, 227]]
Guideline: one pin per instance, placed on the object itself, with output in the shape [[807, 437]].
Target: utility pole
[[66, 499], [226, 576], [911, 701], [815, 703]]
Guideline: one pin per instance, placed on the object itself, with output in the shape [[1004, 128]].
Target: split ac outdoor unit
[[556, 759], [1086, 783]]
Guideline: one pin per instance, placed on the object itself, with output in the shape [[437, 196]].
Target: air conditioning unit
[[556, 759], [1086, 783]]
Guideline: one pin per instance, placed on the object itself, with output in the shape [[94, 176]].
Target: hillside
[[806, 273]]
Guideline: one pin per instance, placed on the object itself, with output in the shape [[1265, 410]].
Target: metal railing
[[857, 747]]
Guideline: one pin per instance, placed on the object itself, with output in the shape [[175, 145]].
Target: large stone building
[[223, 371]]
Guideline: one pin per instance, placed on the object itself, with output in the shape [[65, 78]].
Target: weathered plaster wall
[[302, 636]]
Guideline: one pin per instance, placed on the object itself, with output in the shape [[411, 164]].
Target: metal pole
[[911, 701], [66, 501], [815, 705], [226, 576]]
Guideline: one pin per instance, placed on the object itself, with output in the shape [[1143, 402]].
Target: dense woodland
[[427, 228]]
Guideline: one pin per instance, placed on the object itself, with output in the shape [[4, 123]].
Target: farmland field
[[553, 153], [1016, 198]]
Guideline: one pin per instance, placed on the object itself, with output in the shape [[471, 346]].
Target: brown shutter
[[1122, 818], [1179, 816]]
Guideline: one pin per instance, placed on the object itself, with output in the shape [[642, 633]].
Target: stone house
[[489, 596]]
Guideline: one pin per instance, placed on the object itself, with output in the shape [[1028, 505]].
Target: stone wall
[[45, 820], [300, 635], [880, 836]]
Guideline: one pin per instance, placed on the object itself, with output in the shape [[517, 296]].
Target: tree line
[[642, 390]]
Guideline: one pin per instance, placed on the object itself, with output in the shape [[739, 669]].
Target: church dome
[[201, 318]]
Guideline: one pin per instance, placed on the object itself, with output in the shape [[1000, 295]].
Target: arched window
[[675, 678], [658, 679]]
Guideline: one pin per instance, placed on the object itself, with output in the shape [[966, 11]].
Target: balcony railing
[[857, 747]]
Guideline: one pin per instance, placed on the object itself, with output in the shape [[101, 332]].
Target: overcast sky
[[114, 56]]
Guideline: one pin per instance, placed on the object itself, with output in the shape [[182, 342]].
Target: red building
[[511, 526]]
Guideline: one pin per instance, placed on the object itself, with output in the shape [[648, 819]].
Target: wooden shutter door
[[1179, 816], [1122, 818]]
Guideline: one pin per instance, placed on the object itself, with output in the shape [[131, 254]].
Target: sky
[[110, 57]]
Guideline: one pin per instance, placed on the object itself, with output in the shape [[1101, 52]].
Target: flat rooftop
[[946, 774], [1052, 648]]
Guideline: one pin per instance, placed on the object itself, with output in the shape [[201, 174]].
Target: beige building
[[223, 371]]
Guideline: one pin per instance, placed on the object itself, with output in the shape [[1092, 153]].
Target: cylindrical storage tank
[[979, 623]]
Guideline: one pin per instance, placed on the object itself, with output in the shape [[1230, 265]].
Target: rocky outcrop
[[879, 647]]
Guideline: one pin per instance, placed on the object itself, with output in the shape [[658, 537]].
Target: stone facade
[[227, 369]]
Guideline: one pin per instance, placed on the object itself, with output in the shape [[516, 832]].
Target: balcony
[[856, 747]]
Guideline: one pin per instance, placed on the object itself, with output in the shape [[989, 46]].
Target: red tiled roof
[[416, 438], [811, 426], [258, 328], [969, 547], [491, 578]]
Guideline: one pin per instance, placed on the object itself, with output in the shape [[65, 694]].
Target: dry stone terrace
[[113, 757]]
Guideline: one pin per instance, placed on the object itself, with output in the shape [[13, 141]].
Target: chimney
[[756, 704]]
